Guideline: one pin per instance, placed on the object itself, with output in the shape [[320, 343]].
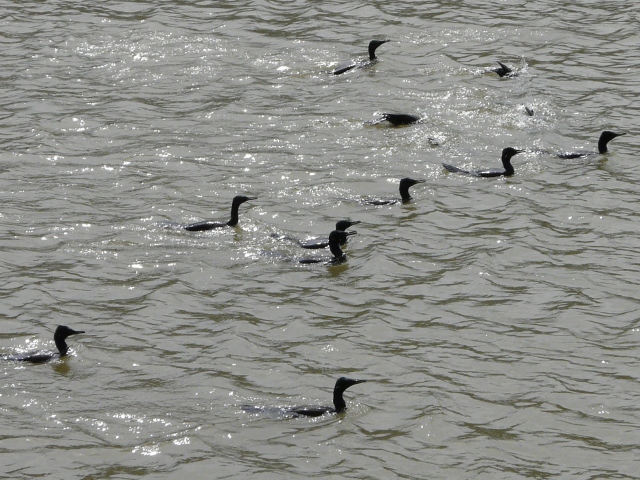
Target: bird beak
[[359, 381], [75, 332], [351, 232], [620, 134], [252, 198]]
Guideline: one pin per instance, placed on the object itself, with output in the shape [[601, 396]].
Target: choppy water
[[495, 319]]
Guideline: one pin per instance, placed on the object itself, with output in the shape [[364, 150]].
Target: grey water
[[495, 320]]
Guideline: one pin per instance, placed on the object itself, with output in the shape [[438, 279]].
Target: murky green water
[[494, 319]]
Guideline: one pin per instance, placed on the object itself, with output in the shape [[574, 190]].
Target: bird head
[[409, 182], [373, 45], [344, 224], [343, 383], [240, 199], [63, 332], [509, 152]]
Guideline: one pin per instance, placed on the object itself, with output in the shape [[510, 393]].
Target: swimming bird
[[405, 197], [397, 119], [605, 138], [351, 64], [336, 238], [529, 110], [504, 71], [507, 171], [42, 356], [316, 243], [339, 405], [208, 225]]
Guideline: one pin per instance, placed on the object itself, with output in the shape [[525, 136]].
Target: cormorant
[[397, 119], [529, 110], [208, 225], [339, 405], [507, 171], [336, 238], [316, 243], [405, 197], [351, 64], [605, 137], [504, 71], [42, 356]]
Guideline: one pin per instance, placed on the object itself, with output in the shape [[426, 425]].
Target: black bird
[[529, 110], [397, 119], [605, 137], [316, 243], [336, 238], [42, 356], [507, 171], [339, 405], [351, 64], [504, 71], [208, 225], [405, 197]]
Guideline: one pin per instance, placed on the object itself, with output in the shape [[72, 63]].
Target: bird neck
[[336, 250], [405, 195], [372, 53], [508, 168], [602, 145], [338, 402], [234, 215], [62, 345]]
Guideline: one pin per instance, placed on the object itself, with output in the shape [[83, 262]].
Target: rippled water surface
[[496, 320]]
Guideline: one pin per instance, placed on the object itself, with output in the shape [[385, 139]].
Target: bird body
[[336, 239], [42, 356], [504, 71], [317, 243], [208, 225], [405, 196], [352, 64], [397, 119], [339, 405], [603, 141], [506, 171]]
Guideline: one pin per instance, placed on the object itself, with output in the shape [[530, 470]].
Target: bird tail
[[376, 122], [167, 224], [288, 238], [452, 169]]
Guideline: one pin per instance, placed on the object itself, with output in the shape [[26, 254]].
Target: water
[[494, 319]]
